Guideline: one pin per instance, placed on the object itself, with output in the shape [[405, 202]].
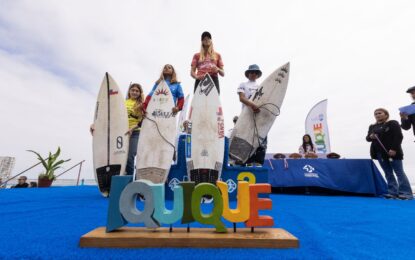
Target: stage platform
[[141, 237], [48, 223]]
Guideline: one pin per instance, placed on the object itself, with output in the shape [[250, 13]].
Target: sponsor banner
[[317, 127]]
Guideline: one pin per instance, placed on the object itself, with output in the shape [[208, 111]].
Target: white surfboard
[[157, 137], [208, 134], [110, 144], [183, 114], [251, 129]]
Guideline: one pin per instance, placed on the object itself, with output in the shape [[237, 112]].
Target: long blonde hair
[[173, 75], [139, 100], [210, 51]]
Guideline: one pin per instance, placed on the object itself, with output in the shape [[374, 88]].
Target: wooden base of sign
[[139, 237]]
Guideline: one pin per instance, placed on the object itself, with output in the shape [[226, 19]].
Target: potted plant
[[50, 165]]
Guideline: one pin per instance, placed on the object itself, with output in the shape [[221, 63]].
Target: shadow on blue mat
[[47, 223]]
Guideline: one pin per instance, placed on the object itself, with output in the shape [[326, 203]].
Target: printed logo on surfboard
[[161, 95], [112, 92], [204, 153], [281, 75], [160, 99], [221, 123], [284, 69], [206, 85], [119, 144], [258, 94], [161, 92], [158, 113]]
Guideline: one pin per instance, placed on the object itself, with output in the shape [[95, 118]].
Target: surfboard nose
[[285, 68], [287, 65]]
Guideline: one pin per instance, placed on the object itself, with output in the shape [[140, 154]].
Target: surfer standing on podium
[[245, 92], [207, 61], [133, 103], [169, 75]]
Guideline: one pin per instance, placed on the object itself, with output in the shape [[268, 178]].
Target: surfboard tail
[[104, 176], [153, 174], [240, 150], [204, 175]]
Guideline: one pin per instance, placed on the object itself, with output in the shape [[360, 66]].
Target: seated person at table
[[307, 147]]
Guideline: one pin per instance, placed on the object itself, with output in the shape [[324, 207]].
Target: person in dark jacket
[[21, 182], [409, 120], [386, 138]]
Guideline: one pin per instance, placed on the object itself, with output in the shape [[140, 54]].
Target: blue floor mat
[[47, 223]]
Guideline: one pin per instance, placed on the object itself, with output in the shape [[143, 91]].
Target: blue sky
[[53, 56]]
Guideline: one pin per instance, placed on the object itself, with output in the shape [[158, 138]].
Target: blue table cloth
[[349, 175]]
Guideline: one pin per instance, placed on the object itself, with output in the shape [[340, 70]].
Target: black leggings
[[215, 80]]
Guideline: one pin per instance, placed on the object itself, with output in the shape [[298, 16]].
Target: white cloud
[[358, 55], [39, 112]]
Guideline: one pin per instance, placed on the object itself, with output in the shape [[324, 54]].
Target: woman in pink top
[[207, 61]]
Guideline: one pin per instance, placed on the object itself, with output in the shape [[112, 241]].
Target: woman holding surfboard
[[169, 75], [134, 104], [207, 61], [156, 147]]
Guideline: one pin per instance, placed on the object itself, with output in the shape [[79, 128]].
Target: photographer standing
[[409, 120]]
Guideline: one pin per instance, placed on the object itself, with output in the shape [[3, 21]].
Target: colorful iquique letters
[[186, 204]]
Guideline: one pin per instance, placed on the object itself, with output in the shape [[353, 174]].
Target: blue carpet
[[47, 223]]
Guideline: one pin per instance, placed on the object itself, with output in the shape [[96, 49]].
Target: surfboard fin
[[104, 176], [240, 150]]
